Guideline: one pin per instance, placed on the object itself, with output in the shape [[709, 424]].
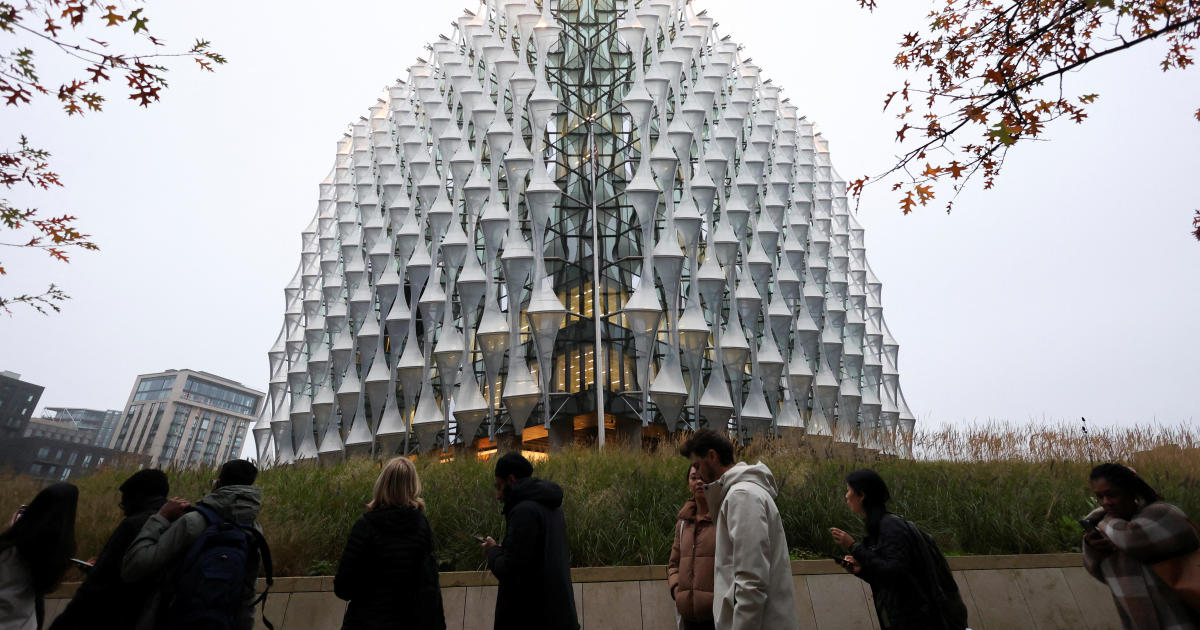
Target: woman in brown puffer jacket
[[690, 573]]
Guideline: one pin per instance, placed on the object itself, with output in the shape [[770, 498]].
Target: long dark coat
[[104, 600], [388, 574], [533, 563]]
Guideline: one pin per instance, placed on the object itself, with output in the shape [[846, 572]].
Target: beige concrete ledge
[[588, 575], [1046, 592]]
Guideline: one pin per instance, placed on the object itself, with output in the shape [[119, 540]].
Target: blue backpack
[[210, 591]]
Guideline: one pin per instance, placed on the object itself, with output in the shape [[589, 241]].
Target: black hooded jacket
[[891, 564], [388, 573], [104, 600], [533, 564]]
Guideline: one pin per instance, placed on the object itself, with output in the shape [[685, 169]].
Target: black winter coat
[[388, 573], [532, 563], [104, 600], [895, 569]]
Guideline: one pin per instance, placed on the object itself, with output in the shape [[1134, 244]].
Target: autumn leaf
[[908, 203], [924, 193], [112, 17], [956, 169], [139, 22]]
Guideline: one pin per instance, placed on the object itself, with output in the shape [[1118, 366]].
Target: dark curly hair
[[1127, 480]]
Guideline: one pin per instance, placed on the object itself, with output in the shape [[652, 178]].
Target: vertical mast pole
[[600, 381]]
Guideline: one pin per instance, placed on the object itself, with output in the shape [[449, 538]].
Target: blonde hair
[[397, 486]]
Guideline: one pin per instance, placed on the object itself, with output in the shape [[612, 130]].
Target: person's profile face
[[502, 487], [695, 483], [854, 499], [707, 466]]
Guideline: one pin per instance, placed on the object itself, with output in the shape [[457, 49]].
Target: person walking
[[533, 563], [1132, 530], [104, 600], [752, 569], [172, 548], [690, 570], [35, 552], [894, 562], [388, 572]]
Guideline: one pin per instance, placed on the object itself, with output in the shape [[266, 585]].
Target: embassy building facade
[[578, 214]]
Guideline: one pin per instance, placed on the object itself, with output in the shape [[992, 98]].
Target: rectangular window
[[66, 473], [219, 396], [87, 460], [71, 458], [155, 388], [43, 453]]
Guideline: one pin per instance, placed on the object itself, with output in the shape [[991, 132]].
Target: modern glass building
[[185, 419], [18, 400], [100, 422], [578, 214]]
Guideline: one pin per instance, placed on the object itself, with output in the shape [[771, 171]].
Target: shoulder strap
[[264, 554], [210, 517]]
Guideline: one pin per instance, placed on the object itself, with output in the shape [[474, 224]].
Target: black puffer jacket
[[104, 600], [388, 573], [895, 569], [533, 564]]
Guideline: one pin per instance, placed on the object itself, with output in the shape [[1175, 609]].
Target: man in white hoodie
[[752, 582]]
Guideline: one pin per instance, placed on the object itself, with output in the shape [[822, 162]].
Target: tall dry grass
[[994, 441], [982, 490]]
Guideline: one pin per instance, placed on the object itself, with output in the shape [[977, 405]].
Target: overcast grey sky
[[1073, 289]]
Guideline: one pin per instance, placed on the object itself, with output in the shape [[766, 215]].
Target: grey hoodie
[[752, 581], [161, 544]]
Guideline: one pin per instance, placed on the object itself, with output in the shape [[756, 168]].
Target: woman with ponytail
[[912, 589], [1132, 530]]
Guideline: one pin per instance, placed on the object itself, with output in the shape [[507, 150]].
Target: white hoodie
[[752, 585]]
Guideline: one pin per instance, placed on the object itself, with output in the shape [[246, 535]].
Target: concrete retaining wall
[[1032, 592]]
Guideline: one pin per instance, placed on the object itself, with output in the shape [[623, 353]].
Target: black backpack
[[210, 587], [943, 589]]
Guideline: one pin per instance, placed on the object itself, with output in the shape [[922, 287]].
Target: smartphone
[[83, 564], [841, 561], [1087, 525]]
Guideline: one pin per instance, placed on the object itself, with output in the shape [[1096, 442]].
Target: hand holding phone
[[848, 563]]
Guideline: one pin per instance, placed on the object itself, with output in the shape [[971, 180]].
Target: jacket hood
[[392, 517], [237, 504], [741, 472], [545, 492]]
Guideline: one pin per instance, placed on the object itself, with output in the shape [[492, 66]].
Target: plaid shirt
[[1157, 532]]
